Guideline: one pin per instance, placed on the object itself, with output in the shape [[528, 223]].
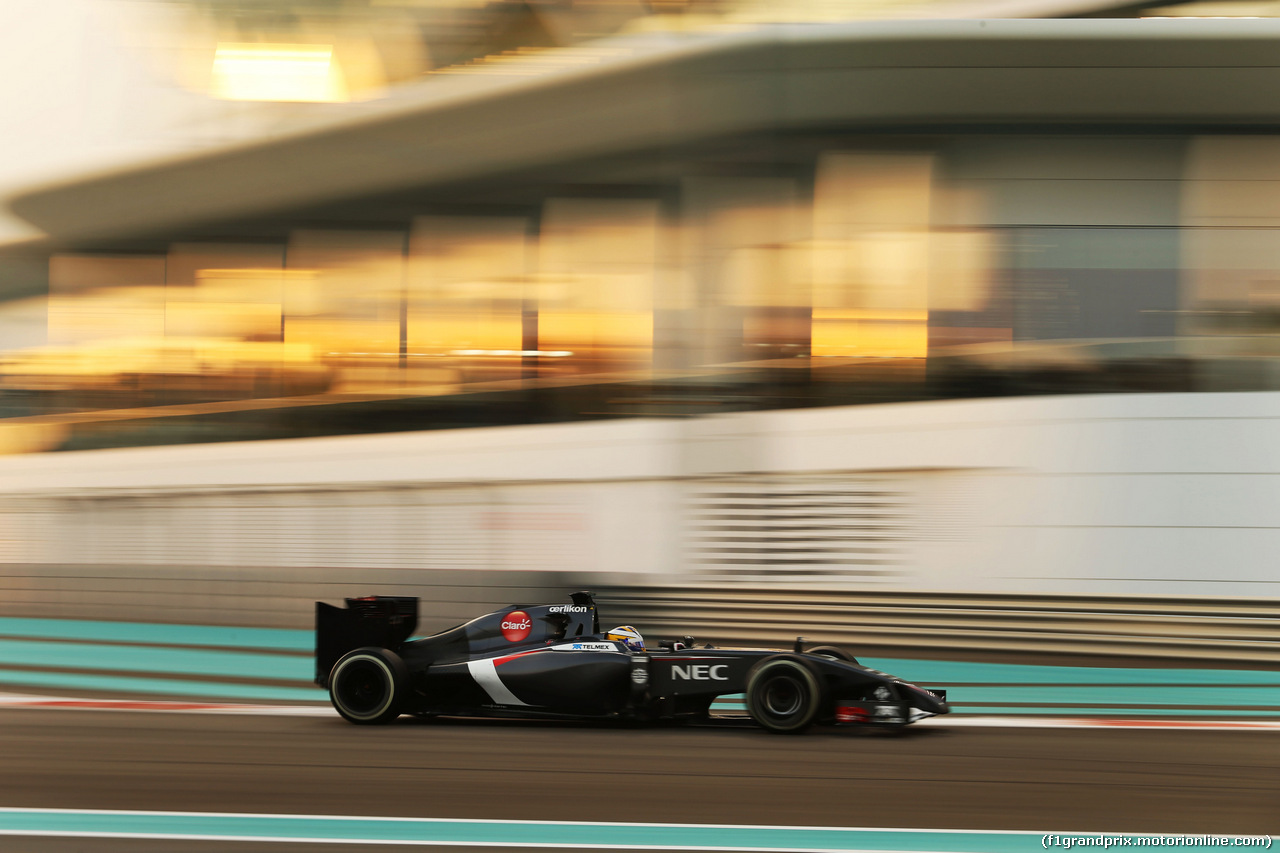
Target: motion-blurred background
[[950, 336]]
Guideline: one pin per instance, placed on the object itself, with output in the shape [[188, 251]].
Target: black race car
[[554, 661]]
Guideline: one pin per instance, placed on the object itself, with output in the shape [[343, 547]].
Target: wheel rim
[[362, 687], [783, 697]]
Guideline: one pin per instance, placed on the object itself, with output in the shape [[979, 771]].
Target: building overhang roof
[[658, 93]]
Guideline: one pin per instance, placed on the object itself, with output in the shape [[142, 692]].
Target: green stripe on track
[[273, 639], [513, 834], [157, 686], [941, 673], [276, 654], [154, 659]]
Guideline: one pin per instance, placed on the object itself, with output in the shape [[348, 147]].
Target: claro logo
[[700, 672], [516, 626]]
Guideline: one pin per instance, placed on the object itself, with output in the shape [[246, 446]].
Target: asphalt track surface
[[1041, 780]]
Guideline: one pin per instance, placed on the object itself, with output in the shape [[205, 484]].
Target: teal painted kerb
[[943, 673], [131, 658], [155, 659], [159, 686], [513, 834], [106, 664], [274, 639]]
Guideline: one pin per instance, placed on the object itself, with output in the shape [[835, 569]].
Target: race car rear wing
[[384, 621]]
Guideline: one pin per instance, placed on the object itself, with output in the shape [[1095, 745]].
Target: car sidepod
[[686, 682], [571, 679]]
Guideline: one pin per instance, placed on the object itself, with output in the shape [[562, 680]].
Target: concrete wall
[[1126, 495]]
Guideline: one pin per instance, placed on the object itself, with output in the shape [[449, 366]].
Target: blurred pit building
[[966, 324]]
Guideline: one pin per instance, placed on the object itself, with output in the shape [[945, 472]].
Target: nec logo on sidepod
[[516, 626], [700, 672]]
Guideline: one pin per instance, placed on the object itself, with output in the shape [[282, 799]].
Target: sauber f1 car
[[554, 661]]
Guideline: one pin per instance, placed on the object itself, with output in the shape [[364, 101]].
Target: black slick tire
[[785, 694], [368, 686]]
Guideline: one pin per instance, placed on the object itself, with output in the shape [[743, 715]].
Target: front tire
[[368, 686], [833, 653], [785, 695]]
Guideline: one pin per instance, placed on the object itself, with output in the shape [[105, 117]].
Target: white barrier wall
[[1129, 495], [1149, 495]]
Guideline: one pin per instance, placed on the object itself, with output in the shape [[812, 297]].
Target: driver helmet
[[628, 636]]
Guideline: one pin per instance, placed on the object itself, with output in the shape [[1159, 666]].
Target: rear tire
[[368, 686], [785, 694]]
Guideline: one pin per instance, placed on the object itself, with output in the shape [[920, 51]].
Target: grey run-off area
[[1039, 780]]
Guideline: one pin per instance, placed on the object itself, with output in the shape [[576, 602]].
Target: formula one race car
[[554, 661]]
